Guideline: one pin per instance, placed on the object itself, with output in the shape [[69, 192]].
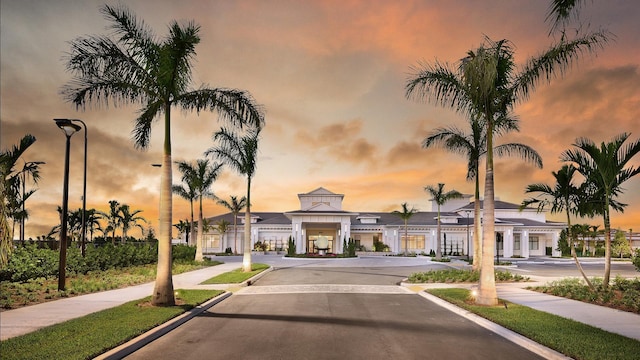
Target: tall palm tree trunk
[[192, 228], [573, 251], [199, 241], [163, 291], [246, 259], [487, 294], [438, 241], [477, 237], [607, 241], [235, 233], [406, 237]]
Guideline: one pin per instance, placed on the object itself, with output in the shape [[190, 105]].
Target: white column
[[524, 244], [554, 241], [508, 243]]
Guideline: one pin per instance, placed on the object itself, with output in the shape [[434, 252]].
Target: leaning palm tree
[[129, 219], [240, 152], [188, 192], [605, 170], [473, 145], [235, 206], [9, 182], [405, 215], [440, 197], [205, 175], [487, 83], [563, 197], [133, 66]]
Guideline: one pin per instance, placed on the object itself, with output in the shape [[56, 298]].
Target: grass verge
[[569, 337], [94, 334], [237, 276]]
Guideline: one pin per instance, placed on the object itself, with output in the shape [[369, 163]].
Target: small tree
[[405, 215], [620, 245], [440, 197]]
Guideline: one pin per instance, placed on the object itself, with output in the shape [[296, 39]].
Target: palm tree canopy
[[441, 197], [240, 152], [487, 81], [604, 168], [406, 213], [473, 145], [234, 205], [562, 197], [133, 67]]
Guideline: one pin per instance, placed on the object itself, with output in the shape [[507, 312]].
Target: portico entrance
[[313, 235]]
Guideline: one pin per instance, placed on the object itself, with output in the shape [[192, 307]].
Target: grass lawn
[[569, 337], [237, 276], [96, 333]]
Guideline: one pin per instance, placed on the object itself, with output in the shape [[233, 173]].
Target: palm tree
[[405, 215], [9, 183], [187, 192], [563, 197], [93, 218], [129, 219], [486, 83], [241, 154], [440, 197], [473, 145], [235, 206], [184, 227], [604, 169], [133, 66], [222, 226], [203, 177], [113, 219]]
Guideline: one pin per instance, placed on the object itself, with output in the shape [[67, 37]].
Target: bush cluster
[[622, 293], [460, 275], [30, 262], [636, 259]]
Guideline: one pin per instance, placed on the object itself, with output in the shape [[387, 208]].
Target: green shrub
[[636, 259], [460, 275], [30, 262], [182, 252], [291, 247]]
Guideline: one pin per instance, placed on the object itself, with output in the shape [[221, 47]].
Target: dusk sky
[[331, 76]]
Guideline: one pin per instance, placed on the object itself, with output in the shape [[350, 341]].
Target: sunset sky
[[331, 76]]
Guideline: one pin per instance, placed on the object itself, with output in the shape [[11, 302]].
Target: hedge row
[[30, 262]]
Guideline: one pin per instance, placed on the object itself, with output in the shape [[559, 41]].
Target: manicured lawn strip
[[574, 339], [94, 334], [237, 276]]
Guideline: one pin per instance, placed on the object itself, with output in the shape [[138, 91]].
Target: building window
[[534, 243], [516, 241], [212, 241], [416, 242]]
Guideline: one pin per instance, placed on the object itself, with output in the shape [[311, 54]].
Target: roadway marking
[[324, 288]]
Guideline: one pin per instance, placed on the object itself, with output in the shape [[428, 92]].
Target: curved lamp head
[[67, 126]]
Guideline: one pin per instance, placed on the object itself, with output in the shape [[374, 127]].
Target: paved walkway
[[24, 320]]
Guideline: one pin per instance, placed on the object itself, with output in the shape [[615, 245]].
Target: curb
[[512, 336], [140, 341]]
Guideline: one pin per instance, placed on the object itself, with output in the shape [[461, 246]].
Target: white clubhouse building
[[523, 233]]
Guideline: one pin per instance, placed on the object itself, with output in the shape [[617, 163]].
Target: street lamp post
[[84, 184], [69, 129]]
